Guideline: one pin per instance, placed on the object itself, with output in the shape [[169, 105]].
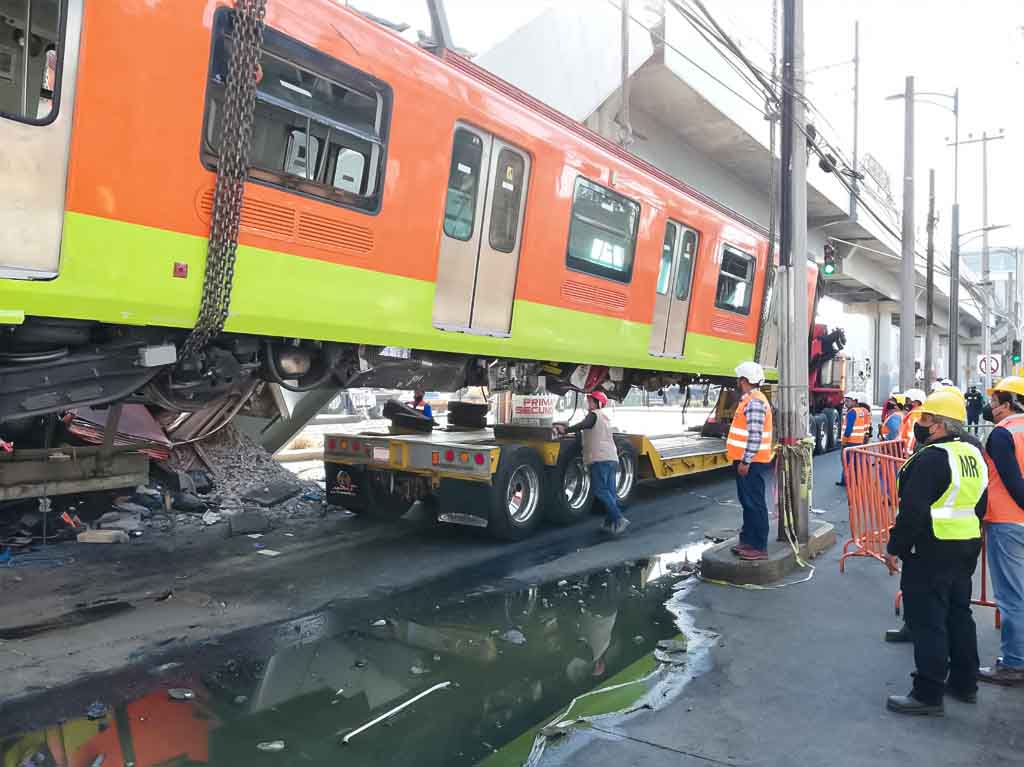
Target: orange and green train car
[[398, 196]]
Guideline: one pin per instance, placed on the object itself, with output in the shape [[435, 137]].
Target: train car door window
[[320, 126], [735, 281], [672, 299], [602, 233], [479, 256]]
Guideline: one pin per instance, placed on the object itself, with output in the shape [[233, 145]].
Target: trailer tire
[[819, 430], [382, 504], [833, 429], [517, 494], [570, 493], [625, 477]]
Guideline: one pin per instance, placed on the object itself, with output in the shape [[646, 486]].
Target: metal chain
[[232, 170]]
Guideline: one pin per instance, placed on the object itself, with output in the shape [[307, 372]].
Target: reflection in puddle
[[428, 687]]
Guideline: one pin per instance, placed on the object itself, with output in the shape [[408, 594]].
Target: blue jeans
[[751, 492], [602, 475], [1005, 547]]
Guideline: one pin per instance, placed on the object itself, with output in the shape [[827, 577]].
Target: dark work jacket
[[922, 482], [975, 402]]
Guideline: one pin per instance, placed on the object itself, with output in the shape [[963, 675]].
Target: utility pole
[[986, 277], [908, 313], [795, 458], [929, 318], [986, 288], [856, 119], [954, 254]]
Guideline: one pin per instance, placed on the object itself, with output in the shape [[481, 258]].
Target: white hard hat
[[947, 382], [850, 395], [751, 371], [895, 392], [862, 397], [915, 394]]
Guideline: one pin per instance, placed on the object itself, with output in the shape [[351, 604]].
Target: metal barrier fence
[[871, 471]]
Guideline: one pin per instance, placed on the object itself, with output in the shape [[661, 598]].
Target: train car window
[[687, 253], [508, 193], [668, 250], [31, 60], [602, 233], [735, 281], [463, 184], [320, 126]]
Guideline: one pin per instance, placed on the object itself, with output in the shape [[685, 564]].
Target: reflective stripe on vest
[[736, 443], [953, 515], [861, 424], [1001, 506]]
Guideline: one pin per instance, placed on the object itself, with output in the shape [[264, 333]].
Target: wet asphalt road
[[330, 581]]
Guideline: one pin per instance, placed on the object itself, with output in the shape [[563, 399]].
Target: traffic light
[[1015, 354], [830, 260]]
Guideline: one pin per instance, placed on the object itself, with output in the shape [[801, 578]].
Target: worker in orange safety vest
[[749, 447], [914, 399], [858, 425]]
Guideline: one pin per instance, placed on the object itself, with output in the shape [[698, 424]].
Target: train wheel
[[625, 477], [570, 493], [517, 494]]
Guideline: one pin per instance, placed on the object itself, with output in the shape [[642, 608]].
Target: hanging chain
[[232, 169]]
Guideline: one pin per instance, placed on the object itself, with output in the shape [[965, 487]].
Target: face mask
[[986, 413], [921, 433]]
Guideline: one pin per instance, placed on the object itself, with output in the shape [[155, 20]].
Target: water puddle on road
[[469, 683]]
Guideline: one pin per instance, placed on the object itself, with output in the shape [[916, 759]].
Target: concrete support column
[[886, 367]]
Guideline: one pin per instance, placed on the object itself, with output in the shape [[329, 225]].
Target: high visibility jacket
[[953, 514], [907, 430], [736, 444], [1001, 507], [891, 434], [861, 424]]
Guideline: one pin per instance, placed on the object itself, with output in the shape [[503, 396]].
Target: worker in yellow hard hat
[[937, 536]]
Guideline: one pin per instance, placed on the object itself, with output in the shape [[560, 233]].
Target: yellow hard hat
[[946, 404], [900, 399], [1013, 384]]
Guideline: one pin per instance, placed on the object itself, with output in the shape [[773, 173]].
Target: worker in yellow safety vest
[[749, 447], [914, 399], [937, 536]]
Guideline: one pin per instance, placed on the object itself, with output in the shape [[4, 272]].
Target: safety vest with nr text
[[891, 434], [907, 430], [953, 514], [1001, 507], [861, 424], [736, 444]]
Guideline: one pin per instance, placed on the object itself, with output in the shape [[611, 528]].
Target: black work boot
[[908, 704], [902, 634]]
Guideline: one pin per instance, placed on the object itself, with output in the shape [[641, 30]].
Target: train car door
[[672, 299], [481, 234], [39, 44]]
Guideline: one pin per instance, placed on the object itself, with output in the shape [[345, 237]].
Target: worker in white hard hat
[[858, 425], [749, 446]]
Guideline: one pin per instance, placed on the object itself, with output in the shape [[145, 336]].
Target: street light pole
[[929, 317], [908, 314], [954, 254]]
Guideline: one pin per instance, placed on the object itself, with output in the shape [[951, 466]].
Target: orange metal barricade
[[871, 472], [983, 599]]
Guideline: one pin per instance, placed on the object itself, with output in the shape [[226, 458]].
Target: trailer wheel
[[570, 493], [517, 494], [833, 429], [625, 477], [819, 429]]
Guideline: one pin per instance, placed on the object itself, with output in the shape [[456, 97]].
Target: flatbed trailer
[[504, 479]]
